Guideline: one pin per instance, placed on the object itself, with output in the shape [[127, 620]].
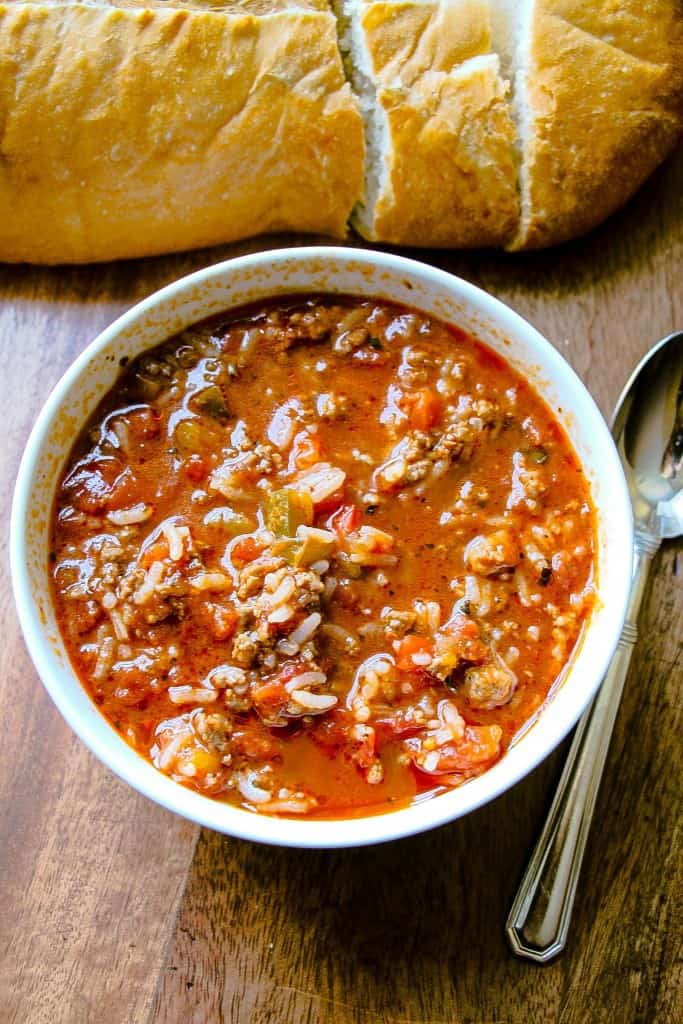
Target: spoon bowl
[[648, 430]]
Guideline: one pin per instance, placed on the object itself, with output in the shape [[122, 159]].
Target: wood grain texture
[[111, 914], [75, 918]]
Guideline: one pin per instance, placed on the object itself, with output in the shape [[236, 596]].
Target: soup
[[322, 556]]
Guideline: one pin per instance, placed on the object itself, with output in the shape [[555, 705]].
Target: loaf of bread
[[130, 128], [145, 128]]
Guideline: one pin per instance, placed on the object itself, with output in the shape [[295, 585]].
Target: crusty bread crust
[[450, 163], [127, 132], [408, 38], [213, 6], [135, 127], [604, 88], [451, 173]]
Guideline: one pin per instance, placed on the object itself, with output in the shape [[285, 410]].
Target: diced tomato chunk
[[398, 722], [480, 746], [155, 552], [423, 408], [222, 621], [271, 695], [407, 647], [307, 449], [246, 549], [345, 520], [466, 631], [93, 486], [271, 692], [143, 424], [125, 490], [195, 468], [291, 669]]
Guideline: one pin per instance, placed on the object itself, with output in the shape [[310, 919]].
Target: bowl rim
[[306, 833]]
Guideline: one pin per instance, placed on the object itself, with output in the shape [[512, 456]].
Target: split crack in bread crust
[[132, 128], [438, 129], [597, 94], [594, 91]]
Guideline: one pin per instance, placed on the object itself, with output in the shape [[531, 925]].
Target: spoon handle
[[540, 915]]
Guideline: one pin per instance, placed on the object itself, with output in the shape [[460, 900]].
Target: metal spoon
[[648, 431]]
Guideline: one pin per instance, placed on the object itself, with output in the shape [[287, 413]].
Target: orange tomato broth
[[314, 755]]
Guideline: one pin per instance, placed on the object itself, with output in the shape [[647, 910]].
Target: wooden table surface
[[114, 911]]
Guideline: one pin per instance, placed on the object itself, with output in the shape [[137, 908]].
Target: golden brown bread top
[[407, 39], [451, 174], [170, 129], [604, 83], [130, 127], [255, 7]]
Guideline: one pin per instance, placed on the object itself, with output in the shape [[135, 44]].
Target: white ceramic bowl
[[317, 269]]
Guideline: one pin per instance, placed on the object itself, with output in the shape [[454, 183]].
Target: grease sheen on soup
[[321, 556]]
